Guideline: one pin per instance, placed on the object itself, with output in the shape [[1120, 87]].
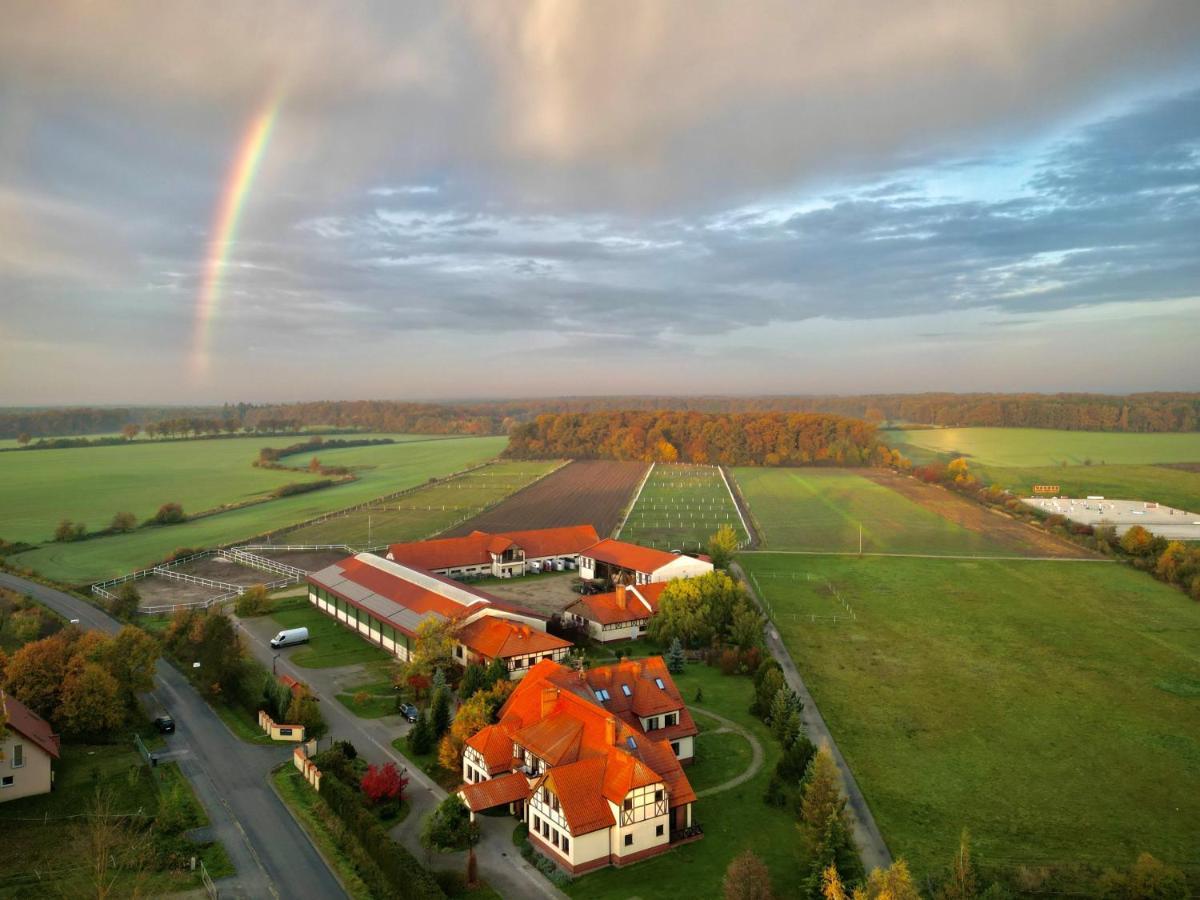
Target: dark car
[[409, 712], [165, 725]]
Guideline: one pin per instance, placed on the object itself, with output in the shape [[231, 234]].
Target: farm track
[[591, 492]]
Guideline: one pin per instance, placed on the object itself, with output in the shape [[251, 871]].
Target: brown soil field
[[549, 594], [227, 571], [308, 560], [593, 492], [159, 591], [1019, 538]]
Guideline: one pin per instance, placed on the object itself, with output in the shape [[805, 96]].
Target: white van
[[289, 636]]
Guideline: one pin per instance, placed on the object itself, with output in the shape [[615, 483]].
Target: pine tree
[[675, 658], [439, 678], [791, 729], [784, 703], [439, 712], [472, 681], [420, 738], [496, 671]]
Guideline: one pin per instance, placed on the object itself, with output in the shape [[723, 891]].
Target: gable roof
[[25, 722], [630, 556], [502, 789], [641, 602], [492, 637], [476, 548], [404, 596], [584, 807], [494, 746]]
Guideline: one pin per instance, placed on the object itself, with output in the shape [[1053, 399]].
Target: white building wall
[[643, 832], [34, 777], [681, 567]]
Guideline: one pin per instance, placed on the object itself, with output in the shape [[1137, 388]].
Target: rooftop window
[[626, 691], [631, 742], [660, 684], [603, 695]]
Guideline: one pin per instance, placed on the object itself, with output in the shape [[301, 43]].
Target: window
[[285, 732], [659, 682], [629, 803], [458, 651], [626, 691], [554, 836], [671, 719], [566, 844], [675, 747], [537, 824], [6, 781], [651, 724], [629, 840], [658, 830], [603, 696], [631, 742], [18, 759], [658, 796]]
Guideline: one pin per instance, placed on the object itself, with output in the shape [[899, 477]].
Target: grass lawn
[[720, 756], [1046, 446], [681, 507], [384, 469], [330, 643], [733, 821], [1173, 487], [379, 684], [1049, 707], [428, 763], [58, 841], [822, 510], [427, 511]]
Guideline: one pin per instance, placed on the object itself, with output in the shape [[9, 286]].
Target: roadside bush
[[123, 522], [302, 487], [125, 604], [169, 514], [68, 531], [253, 602]]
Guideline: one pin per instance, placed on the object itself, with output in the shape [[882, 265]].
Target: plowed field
[[593, 492]]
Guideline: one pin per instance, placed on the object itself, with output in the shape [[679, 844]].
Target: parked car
[[164, 724], [409, 712], [288, 637]]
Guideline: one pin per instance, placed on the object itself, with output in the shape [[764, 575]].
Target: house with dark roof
[[619, 615], [592, 761], [502, 555], [618, 562], [386, 602], [28, 745]]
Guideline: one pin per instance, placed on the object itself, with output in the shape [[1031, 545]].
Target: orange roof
[[584, 807], [641, 676], [492, 636], [476, 548], [494, 746], [498, 791], [606, 608], [29, 724], [630, 556]]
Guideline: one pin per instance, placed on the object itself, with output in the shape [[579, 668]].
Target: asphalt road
[[272, 854]]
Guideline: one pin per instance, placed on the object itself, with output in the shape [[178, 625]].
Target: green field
[[680, 507], [427, 511], [822, 510], [330, 643], [385, 469], [1051, 707], [1045, 446]]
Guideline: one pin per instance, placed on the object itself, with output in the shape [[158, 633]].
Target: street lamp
[[273, 658]]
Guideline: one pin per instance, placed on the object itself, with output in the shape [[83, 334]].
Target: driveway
[[271, 853], [499, 862]]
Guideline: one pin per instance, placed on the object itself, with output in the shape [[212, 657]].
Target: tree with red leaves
[[383, 783]]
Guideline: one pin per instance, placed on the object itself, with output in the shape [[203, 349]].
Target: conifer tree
[[472, 681], [675, 658], [420, 738], [439, 712]]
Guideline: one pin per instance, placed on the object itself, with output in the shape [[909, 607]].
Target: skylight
[[660, 684], [631, 742], [602, 695], [626, 691]]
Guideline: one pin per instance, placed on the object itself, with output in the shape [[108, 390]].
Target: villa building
[[621, 563], [591, 761], [28, 747], [619, 615]]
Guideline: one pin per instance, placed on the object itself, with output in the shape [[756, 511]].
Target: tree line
[[772, 439]]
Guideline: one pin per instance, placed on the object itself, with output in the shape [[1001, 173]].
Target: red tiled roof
[[630, 556], [491, 636], [494, 746], [576, 785], [394, 587], [29, 724], [476, 548], [502, 790], [605, 608]]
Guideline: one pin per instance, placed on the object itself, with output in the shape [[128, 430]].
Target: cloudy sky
[[545, 197]]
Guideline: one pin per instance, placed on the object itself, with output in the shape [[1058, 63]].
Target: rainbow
[[224, 227]]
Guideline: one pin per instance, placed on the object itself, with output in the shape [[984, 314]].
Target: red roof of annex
[[476, 548]]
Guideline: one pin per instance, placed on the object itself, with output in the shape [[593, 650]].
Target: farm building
[[620, 563], [591, 762], [386, 602], [501, 555], [618, 615], [27, 747]]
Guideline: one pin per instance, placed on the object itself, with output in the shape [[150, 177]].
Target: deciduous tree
[[123, 522], [893, 883], [747, 878], [383, 783], [90, 701], [35, 672], [433, 647], [126, 602], [722, 545], [963, 882], [1137, 541]]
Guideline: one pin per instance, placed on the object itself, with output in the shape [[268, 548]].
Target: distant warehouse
[[386, 602]]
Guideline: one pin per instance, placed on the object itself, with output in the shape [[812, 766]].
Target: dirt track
[[593, 492], [1019, 538]]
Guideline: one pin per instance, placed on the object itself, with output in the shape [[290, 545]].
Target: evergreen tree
[[675, 658], [496, 671], [835, 847], [791, 729], [783, 704], [793, 765], [439, 678], [420, 738], [472, 681], [439, 712]]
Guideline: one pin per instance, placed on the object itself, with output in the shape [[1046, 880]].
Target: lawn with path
[[381, 469], [1050, 707]]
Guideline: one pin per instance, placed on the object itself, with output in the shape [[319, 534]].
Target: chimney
[[610, 731], [549, 696], [622, 600]]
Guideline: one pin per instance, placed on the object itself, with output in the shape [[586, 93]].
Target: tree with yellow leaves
[[473, 716]]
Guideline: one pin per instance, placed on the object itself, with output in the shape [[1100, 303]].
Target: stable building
[[619, 615], [28, 747], [501, 555], [591, 761], [618, 562], [386, 602]]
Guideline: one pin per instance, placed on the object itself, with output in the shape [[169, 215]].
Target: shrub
[[68, 531], [123, 522], [169, 514], [449, 827], [253, 602], [381, 784], [125, 604], [728, 662]]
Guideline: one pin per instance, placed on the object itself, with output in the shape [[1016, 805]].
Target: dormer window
[[626, 691], [670, 719]]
